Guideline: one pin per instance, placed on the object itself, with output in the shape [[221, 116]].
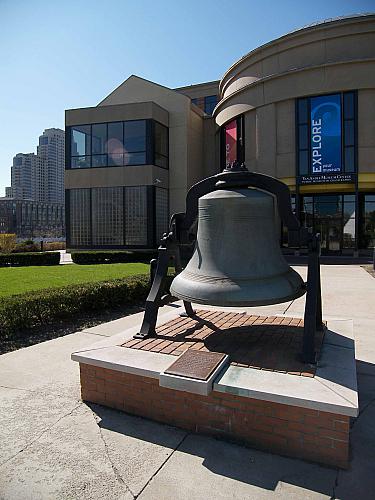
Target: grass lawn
[[15, 280]]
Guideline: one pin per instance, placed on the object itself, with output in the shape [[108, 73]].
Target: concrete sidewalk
[[53, 446]]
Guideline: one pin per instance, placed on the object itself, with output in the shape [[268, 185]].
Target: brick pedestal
[[288, 430]]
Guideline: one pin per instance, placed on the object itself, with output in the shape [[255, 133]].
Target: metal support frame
[[183, 231]]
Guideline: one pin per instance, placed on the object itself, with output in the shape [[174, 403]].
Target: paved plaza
[[54, 446]]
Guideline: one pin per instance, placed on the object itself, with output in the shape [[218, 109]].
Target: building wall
[[136, 89], [327, 58], [48, 178]]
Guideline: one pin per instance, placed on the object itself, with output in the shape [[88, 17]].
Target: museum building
[[300, 108]]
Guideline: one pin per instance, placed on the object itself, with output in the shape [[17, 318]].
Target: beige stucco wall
[[326, 58], [183, 152], [140, 175], [117, 112], [200, 90]]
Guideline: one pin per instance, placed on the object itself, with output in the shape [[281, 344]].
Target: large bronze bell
[[237, 259]]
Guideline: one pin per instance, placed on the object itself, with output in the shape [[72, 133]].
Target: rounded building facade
[[302, 109]]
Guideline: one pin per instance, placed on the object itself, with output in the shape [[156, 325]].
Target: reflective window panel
[[136, 216], [81, 140], [161, 213], [99, 138], [135, 136], [107, 216], [80, 220]]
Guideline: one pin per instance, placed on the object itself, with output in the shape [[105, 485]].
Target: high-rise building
[[49, 171], [22, 176], [34, 204], [40, 177]]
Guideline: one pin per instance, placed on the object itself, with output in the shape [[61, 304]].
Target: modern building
[[300, 108], [22, 176], [31, 219], [49, 174], [34, 204], [40, 177]]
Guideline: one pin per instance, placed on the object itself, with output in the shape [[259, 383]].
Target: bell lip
[[266, 302]]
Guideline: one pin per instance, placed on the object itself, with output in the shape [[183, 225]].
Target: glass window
[[349, 133], [99, 161], [303, 158], [161, 213], [210, 103], [80, 217], [161, 139], [349, 105], [349, 209], [136, 216], [369, 208], [327, 205], [81, 161], [302, 110], [107, 216], [115, 160], [161, 145], [303, 137], [134, 158], [81, 140], [99, 138], [115, 144], [135, 136]]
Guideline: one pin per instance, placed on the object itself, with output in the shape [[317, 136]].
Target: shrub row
[[111, 257], [27, 310], [29, 259]]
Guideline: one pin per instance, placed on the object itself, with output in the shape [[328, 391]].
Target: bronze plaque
[[196, 364]]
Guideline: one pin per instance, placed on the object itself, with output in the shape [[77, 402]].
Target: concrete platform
[[333, 389], [323, 402]]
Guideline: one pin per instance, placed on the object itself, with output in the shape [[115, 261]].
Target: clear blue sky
[[61, 54]]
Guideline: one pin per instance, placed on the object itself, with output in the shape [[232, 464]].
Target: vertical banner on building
[[326, 134], [230, 142]]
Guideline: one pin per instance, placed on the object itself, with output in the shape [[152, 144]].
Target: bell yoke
[[237, 261]]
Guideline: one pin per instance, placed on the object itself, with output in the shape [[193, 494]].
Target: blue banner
[[326, 134]]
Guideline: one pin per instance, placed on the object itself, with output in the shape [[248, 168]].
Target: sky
[[63, 54]]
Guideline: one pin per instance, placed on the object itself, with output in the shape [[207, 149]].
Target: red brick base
[[288, 430]]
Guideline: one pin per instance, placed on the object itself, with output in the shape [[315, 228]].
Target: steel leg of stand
[[189, 311], [311, 310], [153, 299], [319, 316]]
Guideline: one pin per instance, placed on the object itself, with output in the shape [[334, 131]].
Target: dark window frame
[[149, 151]]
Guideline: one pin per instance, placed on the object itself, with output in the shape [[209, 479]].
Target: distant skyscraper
[[40, 177], [22, 176], [49, 172], [8, 192]]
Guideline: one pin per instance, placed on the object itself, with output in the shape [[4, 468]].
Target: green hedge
[[29, 259], [111, 257], [19, 312]]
